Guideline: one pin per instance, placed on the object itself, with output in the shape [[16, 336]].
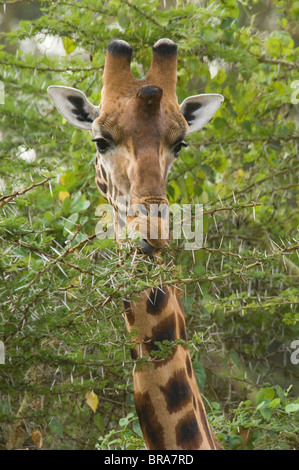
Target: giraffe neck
[[167, 398]]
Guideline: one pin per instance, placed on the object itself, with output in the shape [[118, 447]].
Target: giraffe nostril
[[146, 247]]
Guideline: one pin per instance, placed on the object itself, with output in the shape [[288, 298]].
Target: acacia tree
[[66, 381]]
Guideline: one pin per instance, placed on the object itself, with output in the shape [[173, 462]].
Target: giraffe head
[[139, 130]]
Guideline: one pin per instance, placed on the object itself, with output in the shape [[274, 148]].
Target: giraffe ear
[[199, 109], [74, 106]]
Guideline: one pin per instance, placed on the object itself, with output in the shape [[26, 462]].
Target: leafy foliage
[[67, 375]]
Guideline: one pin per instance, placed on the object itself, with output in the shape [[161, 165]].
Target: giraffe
[[139, 129]]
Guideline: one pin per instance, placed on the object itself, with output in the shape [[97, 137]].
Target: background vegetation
[[67, 379]]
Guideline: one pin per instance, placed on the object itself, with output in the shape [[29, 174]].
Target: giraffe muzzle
[[150, 219]]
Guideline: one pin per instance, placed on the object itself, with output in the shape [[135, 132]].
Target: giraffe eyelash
[[102, 144], [178, 146]]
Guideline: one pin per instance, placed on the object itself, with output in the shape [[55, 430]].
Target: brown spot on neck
[[151, 428], [157, 301], [177, 391], [187, 432]]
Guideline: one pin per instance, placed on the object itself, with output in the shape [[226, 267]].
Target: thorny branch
[[7, 198]]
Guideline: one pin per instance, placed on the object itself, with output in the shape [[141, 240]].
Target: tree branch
[[6, 198]]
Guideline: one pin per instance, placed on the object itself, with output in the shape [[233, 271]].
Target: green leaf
[[66, 205], [292, 408], [79, 203], [123, 422], [266, 412], [200, 374], [281, 394], [263, 394], [264, 409], [215, 405], [69, 45], [274, 403]]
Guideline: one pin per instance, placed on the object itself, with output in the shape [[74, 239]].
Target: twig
[[6, 198], [284, 63], [233, 208]]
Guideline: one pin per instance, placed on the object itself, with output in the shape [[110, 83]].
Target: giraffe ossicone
[[139, 129]]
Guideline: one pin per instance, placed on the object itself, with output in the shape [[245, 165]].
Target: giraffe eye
[[102, 144], [176, 149]]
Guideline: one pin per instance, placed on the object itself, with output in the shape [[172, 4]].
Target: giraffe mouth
[[146, 247], [149, 218]]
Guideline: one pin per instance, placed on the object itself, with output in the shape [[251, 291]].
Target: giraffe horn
[[163, 69], [117, 71], [149, 97]]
